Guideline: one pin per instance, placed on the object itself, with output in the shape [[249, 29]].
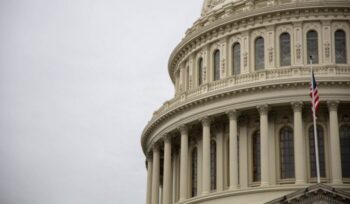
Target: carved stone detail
[[297, 106], [233, 115], [183, 129], [206, 121], [263, 109], [333, 105]]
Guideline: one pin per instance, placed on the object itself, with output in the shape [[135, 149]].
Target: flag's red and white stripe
[[315, 99]]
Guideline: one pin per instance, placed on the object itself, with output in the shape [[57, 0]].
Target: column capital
[[183, 129], [233, 114], [263, 109], [167, 138], [206, 121], [333, 105], [156, 147], [149, 156], [297, 106]]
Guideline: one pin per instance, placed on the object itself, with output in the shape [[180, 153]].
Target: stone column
[[336, 177], [264, 145], [167, 181], [155, 175], [220, 159], [206, 156], [183, 162], [149, 180], [233, 158], [299, 144]]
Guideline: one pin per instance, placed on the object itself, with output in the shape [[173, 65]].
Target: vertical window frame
[[236, 58], [286, 154], [200, 71], [259, 53], [322, 152], [285, 45], [216, 65], [340, 56], [312, 42], [345, 153]]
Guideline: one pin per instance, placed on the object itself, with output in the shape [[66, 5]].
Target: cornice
[[203, 33], [236, 92]]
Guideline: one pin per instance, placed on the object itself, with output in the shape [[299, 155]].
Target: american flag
[[315, 99]]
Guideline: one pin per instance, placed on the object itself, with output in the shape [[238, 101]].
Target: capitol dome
[[240, 126]]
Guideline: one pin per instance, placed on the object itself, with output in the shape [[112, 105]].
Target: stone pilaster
[[183, 162], [156, 174], [149, 180], [206, 156], [233, 154], [299, 144], [167, 181], [336, 177], [264, 144], [219, 158]]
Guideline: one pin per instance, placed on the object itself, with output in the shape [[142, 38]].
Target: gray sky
[[79, 79]]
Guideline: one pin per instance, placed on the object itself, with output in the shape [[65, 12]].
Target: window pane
[[285, 57], [259, 54], [236, 52], [194, 172], [200, 71], [345, 150], [321, 153], [287, 153], [340, 47], [256, 156], [312, 47], [212, 165], [216, 65]]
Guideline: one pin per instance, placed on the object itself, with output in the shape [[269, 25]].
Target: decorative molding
[[233, 115], [196, 39], [167, 138], [297, 106], [206, 121], [333, 105], [183, 130], [263, 109]]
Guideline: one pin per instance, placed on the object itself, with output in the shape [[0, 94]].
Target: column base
[[300, 182], [337, 181], [264, 184], [205, 192], [233, 188]]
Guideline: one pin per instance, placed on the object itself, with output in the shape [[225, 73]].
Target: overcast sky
[[79, 79]]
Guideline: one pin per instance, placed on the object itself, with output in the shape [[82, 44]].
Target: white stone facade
[[235, 121]]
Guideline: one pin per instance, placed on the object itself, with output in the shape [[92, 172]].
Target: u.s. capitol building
[[239, 128]]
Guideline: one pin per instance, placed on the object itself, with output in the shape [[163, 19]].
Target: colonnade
[[153, 162]]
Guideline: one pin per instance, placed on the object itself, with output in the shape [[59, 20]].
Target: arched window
[[236, 57], [256, 156], [216, 65], [321, 152], [194, 174], [286, 153], [200, 71], [259, 54], [340, 47], [345, 150], [285, 57], [212, 165], [312, 46]]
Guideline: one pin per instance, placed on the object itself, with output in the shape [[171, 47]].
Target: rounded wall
[[232, 104]]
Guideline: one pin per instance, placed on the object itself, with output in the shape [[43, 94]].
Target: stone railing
[[250, 78]]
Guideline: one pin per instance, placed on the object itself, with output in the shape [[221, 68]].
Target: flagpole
[[315, 127]]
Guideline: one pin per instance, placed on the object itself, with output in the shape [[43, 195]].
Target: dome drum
[[240, 125]]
